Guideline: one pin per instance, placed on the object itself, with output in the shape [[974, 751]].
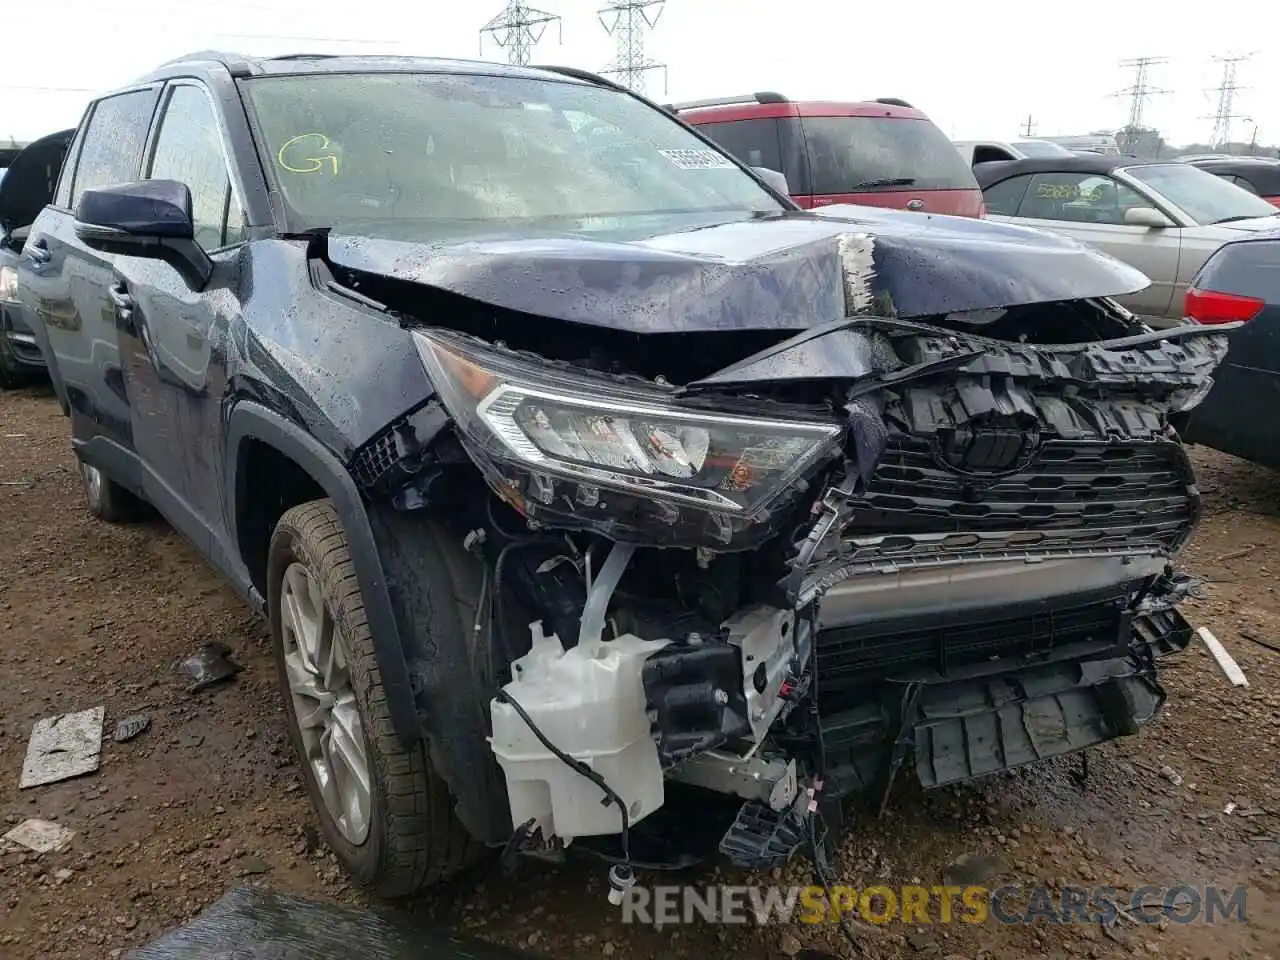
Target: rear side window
[[1002, 199], [112, 148], [757, 143], [991, 155], [857, 154]]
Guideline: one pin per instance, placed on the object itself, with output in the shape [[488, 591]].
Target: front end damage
[[877, 545]]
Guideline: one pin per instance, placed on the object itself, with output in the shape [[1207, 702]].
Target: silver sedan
[[1165, 219]]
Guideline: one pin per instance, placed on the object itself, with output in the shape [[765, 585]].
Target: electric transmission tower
[[627, 21], [1226, 92], [517, 29], [1141, 91]]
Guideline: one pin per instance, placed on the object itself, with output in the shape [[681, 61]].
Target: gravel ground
[[210, 796]]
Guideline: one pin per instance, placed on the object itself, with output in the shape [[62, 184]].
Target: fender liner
[[250, 420]]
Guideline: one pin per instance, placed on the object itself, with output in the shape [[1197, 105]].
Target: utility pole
[[1141, 90], [1226, 91], [517, 29], [627, 21]]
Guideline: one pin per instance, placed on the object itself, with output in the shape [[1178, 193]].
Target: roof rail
[[894, 102], [304, 56], [237, 64], [764, 96], [579, 74]]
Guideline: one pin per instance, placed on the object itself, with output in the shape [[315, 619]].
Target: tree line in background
[[1147, 144]]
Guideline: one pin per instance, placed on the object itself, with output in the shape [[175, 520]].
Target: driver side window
[[1078, 198], [189, 149]]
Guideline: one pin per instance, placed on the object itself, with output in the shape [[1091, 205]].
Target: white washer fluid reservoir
[[589, 702]]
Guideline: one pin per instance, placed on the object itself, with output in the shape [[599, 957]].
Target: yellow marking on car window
[[1057, 191], [314, 164]]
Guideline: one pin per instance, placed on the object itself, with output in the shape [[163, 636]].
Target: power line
[[627, 21], [1141, 91], [44, 89], [1226, 92], [517, 29]]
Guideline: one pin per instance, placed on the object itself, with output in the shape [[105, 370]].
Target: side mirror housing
[[1147, 217], [145, 218], [774, 179]]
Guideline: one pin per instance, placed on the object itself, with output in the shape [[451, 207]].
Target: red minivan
[[882, 153]]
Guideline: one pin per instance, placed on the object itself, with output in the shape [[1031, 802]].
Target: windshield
[[857, 154], [424, 156], [1041, 148], [1205, 198]]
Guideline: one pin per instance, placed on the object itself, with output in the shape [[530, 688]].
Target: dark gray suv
[[595, 493]]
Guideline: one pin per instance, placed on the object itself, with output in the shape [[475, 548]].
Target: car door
[[65, 285], [1091, 207], [171, 336]]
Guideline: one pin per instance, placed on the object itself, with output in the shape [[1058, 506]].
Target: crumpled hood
[[783, 273]]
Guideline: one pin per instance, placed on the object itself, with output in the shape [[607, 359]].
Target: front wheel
[[385, 813]]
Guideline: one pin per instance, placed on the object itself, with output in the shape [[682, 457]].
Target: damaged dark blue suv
[[585, 480]]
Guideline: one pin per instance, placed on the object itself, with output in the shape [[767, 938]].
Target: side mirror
[[146, 218], [1146, 217], [774, 179]]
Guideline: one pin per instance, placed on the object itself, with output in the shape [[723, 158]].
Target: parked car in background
[[1162, 218], [991, 151], [28, 183], [1094, 143], [1241, 281], [881, 153], [1259, 175]]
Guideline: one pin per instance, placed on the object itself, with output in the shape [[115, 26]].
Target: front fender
[[252, 421]]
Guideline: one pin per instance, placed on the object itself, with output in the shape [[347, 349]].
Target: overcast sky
[[978, 70]]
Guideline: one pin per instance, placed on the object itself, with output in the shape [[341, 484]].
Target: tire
[[106, 499], [412, 837]]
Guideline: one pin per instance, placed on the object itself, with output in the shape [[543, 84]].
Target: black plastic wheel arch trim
[[252, 421]]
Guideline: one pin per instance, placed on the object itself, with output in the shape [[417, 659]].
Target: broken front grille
[[1065, 498], [1140, 489]]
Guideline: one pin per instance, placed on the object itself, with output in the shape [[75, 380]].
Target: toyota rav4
[[584, 479]]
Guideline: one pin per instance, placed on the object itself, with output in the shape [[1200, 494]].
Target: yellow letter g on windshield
[[291, 156]]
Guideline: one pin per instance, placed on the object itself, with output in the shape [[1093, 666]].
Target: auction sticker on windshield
[[698, 159]]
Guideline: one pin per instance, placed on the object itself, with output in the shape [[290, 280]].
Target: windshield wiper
[[885, 182], [1245, 216]]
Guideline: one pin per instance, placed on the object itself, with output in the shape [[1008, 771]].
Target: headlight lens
[[8, 284], [601, 433]]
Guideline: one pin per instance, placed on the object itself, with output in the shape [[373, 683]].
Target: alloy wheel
[[324, 703]]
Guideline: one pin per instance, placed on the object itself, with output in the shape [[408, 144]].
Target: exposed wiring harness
[[580, 768], [817, 838], [620, 878]]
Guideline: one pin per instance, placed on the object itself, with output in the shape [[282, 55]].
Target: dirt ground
[[210, 796]]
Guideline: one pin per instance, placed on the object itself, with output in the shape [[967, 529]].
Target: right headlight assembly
[[600, 448]]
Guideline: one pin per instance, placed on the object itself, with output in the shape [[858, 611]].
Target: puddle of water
[[251, 923]]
